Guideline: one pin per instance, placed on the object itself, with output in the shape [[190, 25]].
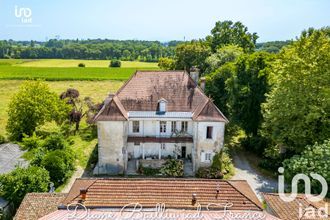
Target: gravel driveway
[[245, 171]]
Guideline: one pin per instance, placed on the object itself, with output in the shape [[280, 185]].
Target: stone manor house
[[157, 115]]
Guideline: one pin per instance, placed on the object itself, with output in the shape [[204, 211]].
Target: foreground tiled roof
[[174, 193], [145, 88], [37, 205], [169, 214], [290, 210]]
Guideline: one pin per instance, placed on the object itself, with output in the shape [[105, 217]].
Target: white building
[[157, 115]]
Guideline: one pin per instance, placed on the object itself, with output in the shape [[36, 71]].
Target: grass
[[97, 90], [74, 63], [61, 70]]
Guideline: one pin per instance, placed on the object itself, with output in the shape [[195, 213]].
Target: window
[[162, 106], [184, 126], [209, 131], [173, 126], [136, 143], [207, 157], [136, 126], [163, 146], [162, 127]]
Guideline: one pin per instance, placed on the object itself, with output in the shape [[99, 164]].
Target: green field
[[59, 70], [88, 63]]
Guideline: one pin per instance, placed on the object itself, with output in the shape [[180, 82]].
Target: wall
[[151, 127], [112, 137], [204, 145]]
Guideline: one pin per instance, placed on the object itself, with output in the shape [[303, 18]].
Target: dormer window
[[162, 105]]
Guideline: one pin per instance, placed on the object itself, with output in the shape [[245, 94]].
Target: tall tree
[[247, 89], [297, 109], [192, 54], [228, 32], [32, 106]]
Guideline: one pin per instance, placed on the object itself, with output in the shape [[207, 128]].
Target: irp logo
[[25, 14], [310, 212]]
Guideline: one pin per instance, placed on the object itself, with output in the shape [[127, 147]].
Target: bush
[[2, 139], [54, 142], [81, 65], [148, 171], [315, 159], [60, 164], [115, 63], [173, 168], [14, 185], [31, 142], [256, 144], [222, 167]]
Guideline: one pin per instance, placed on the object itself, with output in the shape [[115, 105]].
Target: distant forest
[[148, 51]]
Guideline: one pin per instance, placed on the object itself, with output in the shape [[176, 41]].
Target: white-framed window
[[184, 126], [162, 126], [136, 143], [208, 157], [136, 126], [162, 146], [209, 132], [173, 126]]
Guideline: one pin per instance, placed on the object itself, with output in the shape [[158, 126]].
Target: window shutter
[[202, 156]]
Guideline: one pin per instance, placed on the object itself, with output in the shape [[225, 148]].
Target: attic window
[[162, 105]]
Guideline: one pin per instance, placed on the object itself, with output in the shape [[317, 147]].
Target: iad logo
[[303, 211], [25, 14]]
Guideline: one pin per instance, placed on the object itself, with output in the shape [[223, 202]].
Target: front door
[[183, 151]]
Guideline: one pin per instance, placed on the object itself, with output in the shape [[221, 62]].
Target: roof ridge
[[243, 194]]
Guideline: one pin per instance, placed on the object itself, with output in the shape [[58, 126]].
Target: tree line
[[98, 49], [149, 51]]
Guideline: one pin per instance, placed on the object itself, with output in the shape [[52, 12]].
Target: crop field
[[88, 63], [59, 70]]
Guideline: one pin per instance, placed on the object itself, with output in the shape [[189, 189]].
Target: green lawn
[[97, 90]]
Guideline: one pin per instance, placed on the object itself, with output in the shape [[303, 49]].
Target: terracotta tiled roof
[[170, 214], [174, 193], [290, 210], [37, 205], [160, 139], [145, 88]]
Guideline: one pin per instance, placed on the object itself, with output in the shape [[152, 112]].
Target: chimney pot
[[83, 192]]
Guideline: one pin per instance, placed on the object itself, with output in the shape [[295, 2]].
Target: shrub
[[314, 159], [115, 63], [60, 164], [256, 144], [172, 168], [31, 142], [2, 139], [16, 184], [81, 65], [222, 167], [148, 171], [54, 142]]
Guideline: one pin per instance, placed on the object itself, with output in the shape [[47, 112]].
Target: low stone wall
[[153, 163]]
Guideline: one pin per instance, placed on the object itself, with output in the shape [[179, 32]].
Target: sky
[[156, 20]]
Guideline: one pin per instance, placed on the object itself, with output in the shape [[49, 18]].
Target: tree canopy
[[228, 32], [32, 106], [297, 109]]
